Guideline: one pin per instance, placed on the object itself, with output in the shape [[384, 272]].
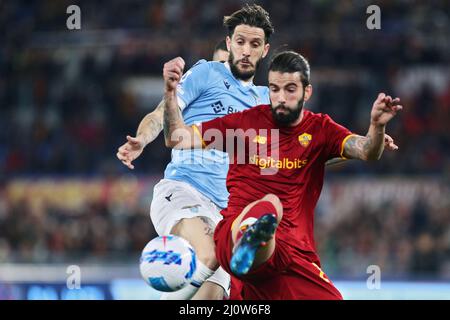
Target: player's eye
[[291, 89], [255, 44]]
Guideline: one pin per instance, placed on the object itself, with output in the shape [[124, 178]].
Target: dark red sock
[[258, 210]]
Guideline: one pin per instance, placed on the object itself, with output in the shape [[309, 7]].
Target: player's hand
[[172, 73], [384, 109], [130, 150], [389, 143]]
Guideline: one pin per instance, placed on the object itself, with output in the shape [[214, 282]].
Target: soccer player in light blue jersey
[[187, 202]]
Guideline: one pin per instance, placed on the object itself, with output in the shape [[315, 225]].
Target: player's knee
[[276, 202], [272, 198]]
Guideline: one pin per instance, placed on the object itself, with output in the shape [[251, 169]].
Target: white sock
[[201, 274], [222, 278]]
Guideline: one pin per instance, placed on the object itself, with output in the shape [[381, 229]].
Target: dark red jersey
[[288, 162]]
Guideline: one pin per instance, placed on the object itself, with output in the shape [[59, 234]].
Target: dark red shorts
[[289, 274]]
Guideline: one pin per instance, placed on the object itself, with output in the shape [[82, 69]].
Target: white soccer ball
[[168, 263]]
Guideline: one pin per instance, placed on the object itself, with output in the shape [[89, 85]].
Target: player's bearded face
[[238, 71], [285, 115]]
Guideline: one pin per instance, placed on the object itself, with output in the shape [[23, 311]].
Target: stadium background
[[69, 98]]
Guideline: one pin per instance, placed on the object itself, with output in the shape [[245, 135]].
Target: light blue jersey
[[207, 91]]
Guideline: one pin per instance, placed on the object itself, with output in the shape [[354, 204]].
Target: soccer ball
[[168, 263]]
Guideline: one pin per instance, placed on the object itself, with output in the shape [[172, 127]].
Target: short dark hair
[[221, 45], [290, 61], [252, 15]]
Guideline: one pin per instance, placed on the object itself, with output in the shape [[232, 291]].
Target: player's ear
[[228, 41], [308, 92], [266, 50]]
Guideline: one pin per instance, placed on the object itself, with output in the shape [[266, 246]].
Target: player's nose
[[246, 50], [281, 98]]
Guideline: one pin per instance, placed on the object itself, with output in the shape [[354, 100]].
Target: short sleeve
[[214, 132], [193, 83], [335, 137]]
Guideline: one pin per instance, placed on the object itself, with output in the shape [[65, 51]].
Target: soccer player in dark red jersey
[[277, 160]]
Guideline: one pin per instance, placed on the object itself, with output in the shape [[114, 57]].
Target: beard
[[286, 119], [238, 74]]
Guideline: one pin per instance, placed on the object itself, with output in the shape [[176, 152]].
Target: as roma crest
[[305, 139]]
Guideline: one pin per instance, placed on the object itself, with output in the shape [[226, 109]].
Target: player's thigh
[[290, 287], [290, 275], [199, 231], [178, 208]]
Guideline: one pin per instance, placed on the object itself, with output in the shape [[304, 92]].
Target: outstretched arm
[[388, 144], [149, 128], [370, 147], [177, 135], [152, 124]]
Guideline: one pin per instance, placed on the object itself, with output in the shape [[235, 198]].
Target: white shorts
[[175, 200]]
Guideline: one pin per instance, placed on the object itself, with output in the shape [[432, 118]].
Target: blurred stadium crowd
[[65, 108]]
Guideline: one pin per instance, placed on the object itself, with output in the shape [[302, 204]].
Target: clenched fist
[[172, 73]]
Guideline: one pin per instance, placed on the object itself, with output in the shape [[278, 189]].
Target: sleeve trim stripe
[[343, 145], [181, 103], [197, 131]]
